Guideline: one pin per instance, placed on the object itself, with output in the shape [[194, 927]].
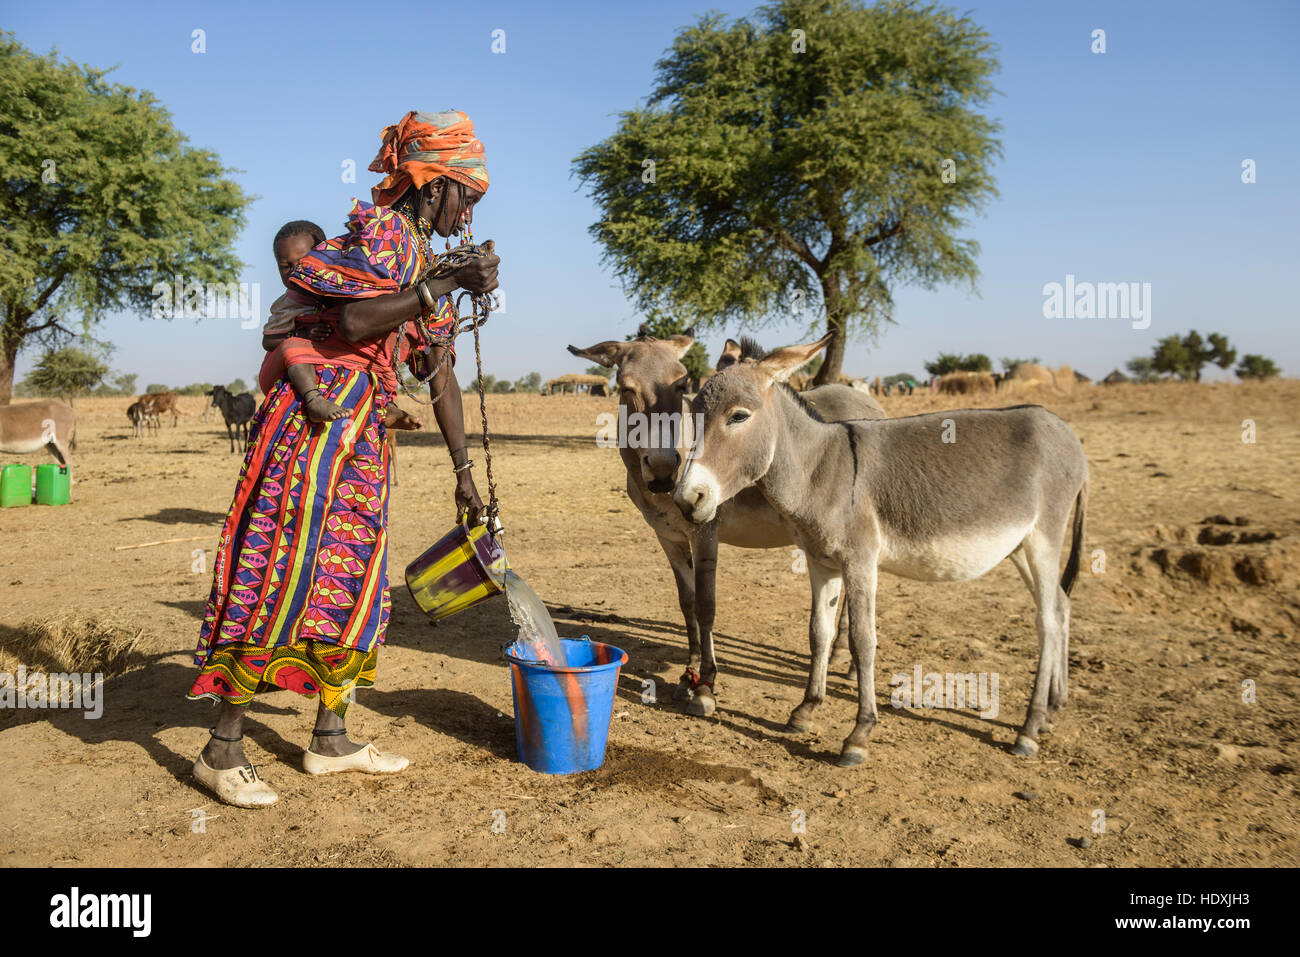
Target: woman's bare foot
[[321, 409]]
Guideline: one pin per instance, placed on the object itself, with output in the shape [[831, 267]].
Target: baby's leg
[[302, 376], [395, 418]]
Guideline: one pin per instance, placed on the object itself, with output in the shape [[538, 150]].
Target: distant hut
[[1115, 378], [577, 382]]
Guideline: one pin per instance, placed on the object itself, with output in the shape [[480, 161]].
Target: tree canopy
[[1256, 367], [103, 198], [949, 362], [1185, 356], [820, 152], [1142, 368]]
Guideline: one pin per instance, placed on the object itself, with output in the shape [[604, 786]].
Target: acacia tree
[[950, 362], [1256, 367], [1185, 356], [66, 373], [103, 198], [820, 152]]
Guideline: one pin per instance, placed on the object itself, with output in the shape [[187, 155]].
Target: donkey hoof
[[1025, 747], [798, 722], [852, 757], [702, 705], [682, 692], [852, 673]]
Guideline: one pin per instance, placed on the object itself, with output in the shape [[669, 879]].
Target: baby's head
[[292, 242]]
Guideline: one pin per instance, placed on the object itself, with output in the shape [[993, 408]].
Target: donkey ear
[[682, 342], [608, 353], [730, 354], [781, 363]]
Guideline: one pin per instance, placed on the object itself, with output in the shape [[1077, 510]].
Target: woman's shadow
[[135, 706]]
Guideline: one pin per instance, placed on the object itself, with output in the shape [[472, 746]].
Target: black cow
[[237, 410]]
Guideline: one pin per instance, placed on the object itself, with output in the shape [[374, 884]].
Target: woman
[[300, 589]]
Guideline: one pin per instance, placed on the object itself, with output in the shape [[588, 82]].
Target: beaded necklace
[[422, 230]]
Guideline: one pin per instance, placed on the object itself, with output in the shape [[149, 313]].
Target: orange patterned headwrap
[[423, 146]]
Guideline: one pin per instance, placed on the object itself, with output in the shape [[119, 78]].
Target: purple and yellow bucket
[[464, 567]]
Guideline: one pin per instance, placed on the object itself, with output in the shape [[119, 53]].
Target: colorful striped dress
[[299, 595]]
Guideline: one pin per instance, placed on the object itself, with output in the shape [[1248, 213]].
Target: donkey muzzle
[[697, 497]]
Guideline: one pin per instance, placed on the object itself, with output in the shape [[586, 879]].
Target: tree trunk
[[835, 324], [8, 356], [12, 324]]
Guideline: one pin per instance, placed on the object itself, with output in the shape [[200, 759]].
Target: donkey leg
[[1021, 562], [827, 586], [840, 654], [679, 557], [861, 589], [704, 549], [1058, 692], [1057, 689], [1042, 560]]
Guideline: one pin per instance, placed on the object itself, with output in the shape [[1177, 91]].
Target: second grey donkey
[[938, 497]]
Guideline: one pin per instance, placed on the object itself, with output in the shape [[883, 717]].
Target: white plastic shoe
[[369, 760], [240, 787]]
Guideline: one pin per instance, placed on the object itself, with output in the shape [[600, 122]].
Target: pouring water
[[537, 633]]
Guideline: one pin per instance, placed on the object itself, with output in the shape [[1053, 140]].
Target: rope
[[483, 301], [443, 265]]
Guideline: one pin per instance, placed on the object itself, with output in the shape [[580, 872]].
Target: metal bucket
[[464, 567]]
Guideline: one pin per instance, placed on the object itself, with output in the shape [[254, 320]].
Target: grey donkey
[[653, 383], [937, 497]]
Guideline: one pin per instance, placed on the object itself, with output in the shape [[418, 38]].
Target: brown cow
[[157, 403]]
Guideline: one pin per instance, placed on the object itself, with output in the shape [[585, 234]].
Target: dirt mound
[[1221, 553]]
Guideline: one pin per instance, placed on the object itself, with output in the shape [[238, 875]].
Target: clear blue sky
[[1122, 166]]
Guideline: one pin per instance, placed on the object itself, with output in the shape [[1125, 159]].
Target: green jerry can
[[53, 484], [15, 485]]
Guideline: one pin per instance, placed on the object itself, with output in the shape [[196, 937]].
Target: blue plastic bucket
[[562, 714]]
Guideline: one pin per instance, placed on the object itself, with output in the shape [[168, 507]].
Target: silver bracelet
[[469, 464]]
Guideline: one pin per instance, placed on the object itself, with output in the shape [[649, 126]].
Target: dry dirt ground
[[1168, 637]]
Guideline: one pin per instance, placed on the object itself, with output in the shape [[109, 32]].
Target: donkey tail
[[1076, 544]]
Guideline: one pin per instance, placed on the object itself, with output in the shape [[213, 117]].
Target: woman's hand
[[467, 499], [478, 275], [313, 331]]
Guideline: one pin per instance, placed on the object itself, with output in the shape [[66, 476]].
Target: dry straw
[[81, 643]]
